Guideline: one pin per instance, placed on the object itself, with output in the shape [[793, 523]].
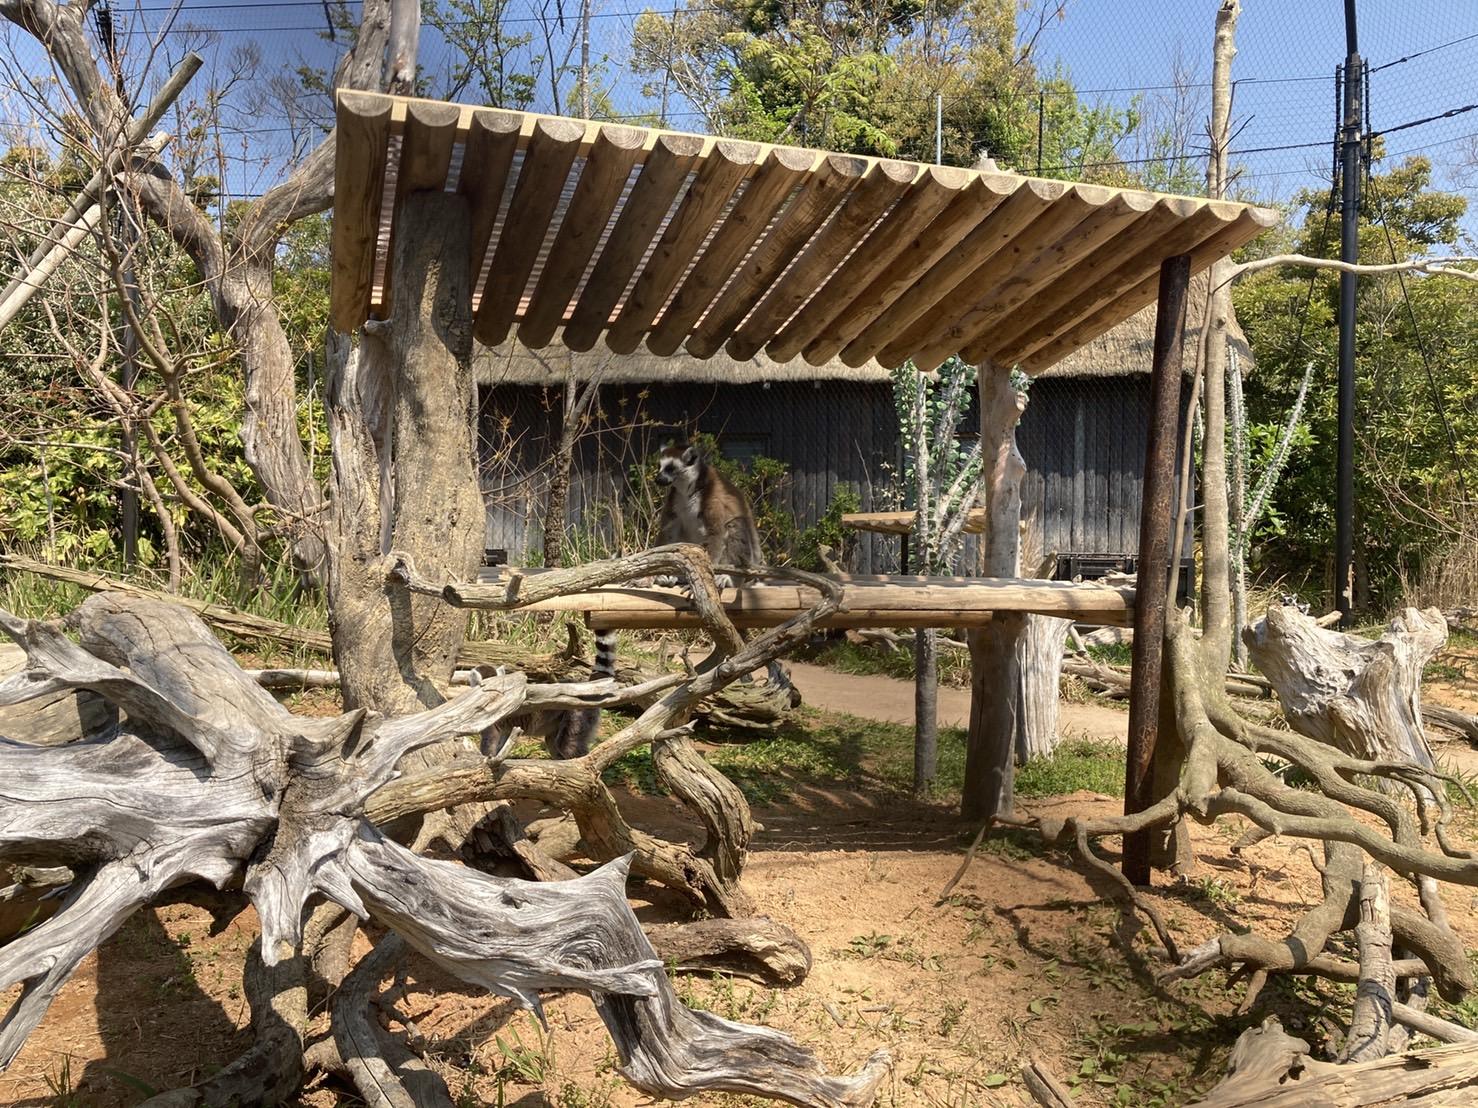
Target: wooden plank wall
[[1082, 439]]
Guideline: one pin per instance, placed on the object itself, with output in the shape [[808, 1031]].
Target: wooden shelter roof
[[584, 232]]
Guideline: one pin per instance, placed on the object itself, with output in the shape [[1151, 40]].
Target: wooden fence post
[[1151, 588]]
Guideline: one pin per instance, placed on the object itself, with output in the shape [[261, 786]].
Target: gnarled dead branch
[[209, 778]]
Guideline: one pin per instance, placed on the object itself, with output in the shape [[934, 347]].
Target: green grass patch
[[822, 749], [1093, 764], [1112, 653]]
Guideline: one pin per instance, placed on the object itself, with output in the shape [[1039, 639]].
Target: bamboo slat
[[547, 160], [601, 183], [726, 167], [882, 185], [769, 188], [827, 186], [362, 126], [663, 173]]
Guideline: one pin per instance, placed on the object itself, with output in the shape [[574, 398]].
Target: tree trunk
[[1039, 661], [1216, 638], [414, 389], [925, 711], [995, 660], [577, 400], [1360, 696]]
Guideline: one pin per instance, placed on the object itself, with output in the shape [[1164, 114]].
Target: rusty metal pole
[[1152, 587]]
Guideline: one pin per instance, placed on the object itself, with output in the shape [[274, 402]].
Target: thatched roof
[[1121, 352]]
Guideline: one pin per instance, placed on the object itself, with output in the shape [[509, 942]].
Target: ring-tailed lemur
[[704, 507], [567, 732]]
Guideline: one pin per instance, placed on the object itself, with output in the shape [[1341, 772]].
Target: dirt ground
[[1027, 959], [891, 700]]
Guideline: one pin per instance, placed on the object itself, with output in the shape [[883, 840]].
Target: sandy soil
[[1027, 959], [891, 700]]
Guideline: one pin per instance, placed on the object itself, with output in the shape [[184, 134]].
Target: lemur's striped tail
[[605, 655], [580, 726]]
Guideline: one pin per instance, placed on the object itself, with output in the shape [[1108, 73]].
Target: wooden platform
[[868, 601], [901, 523], [587, 231]]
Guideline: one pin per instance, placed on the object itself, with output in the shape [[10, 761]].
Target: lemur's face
[[678, 465]]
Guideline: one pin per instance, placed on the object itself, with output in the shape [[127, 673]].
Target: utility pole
[[1349, 251], [128, 372]]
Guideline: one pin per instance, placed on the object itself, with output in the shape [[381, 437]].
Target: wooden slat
[[426, 147], [781, 171], [425, 154], [1121, 307], [1082, 274], [915, 210], [1007, 284], [994, 234], [1058, 310], [663, 173], [362, 125], [727, 164], [1058, 222], [907, 260], [882, 185], [794, 263], [487, 157], [827, 186], [601, 183], [546, 164]]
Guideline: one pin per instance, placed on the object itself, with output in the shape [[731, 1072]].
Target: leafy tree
[[864, 78], [1412, 483]]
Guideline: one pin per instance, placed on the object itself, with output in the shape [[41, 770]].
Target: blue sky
[[1116, 51]]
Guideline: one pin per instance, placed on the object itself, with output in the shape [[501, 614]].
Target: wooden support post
[[995, 677], [1151, 589]]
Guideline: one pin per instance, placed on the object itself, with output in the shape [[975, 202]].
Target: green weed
[[1092, 764]]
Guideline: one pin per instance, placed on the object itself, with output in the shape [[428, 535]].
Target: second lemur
[[705, 508], [567, 732]]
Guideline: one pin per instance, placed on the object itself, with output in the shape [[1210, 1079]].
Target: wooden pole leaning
[[1152, 586], [62, 233]]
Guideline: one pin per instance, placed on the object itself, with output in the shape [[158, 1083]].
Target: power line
[[1422, 53], [1449, 114]]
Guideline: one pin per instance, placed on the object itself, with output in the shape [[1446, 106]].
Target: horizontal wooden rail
[[872, 601], [901, 523]]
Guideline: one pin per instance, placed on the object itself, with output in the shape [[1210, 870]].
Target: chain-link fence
[[1102, 90]]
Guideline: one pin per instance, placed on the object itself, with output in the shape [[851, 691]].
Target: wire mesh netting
[[1094, 90]]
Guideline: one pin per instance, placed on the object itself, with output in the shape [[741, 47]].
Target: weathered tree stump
[[209, 778], [1358, 695], [1271, 1069]]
